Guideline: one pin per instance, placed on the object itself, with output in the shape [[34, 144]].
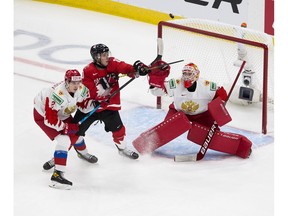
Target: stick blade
[[185, 158]]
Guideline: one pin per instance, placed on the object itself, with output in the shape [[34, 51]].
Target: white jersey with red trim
[[191, 103], [56, 104]]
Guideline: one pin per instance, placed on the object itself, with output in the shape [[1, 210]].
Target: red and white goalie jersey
[[190, 102], [56, 104]]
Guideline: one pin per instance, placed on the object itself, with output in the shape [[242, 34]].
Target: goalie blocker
[[178, 124]]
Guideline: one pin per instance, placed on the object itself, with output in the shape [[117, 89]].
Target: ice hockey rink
[[48, 39]]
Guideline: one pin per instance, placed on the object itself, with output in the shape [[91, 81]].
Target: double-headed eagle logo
[[189, 106]]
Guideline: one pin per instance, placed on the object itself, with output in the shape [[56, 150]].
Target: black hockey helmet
[[96, 50]]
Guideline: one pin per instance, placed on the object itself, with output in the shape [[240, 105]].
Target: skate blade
[[82, 158], [133, 157], [60, 186], [48, 171]]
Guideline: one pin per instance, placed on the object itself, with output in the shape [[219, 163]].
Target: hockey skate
[[88, 157], [128, 153], [49, 164], [59, 182]]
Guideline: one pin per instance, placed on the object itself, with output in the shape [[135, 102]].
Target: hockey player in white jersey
[[52, 113], [189, 112], [191, 93]]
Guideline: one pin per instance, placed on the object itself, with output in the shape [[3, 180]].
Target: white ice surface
[[152, 185]]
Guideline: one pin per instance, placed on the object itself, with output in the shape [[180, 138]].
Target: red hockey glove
[[158, 74], [70, 128]]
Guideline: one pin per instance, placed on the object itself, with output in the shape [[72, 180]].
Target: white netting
[[217, 57]]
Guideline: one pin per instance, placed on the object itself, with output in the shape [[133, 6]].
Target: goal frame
[[162, 24]]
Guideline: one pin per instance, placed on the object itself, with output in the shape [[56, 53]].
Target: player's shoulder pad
[[113, 65], [89, 69], [114, 59], [58, 94], [212, 85]]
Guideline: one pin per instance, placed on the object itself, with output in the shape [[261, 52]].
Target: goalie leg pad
[[162, 133], [244, 149], [229, 143]]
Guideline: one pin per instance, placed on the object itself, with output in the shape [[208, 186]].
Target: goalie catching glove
[[158, 74]]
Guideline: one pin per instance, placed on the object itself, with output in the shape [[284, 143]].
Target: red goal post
[[216, 48]]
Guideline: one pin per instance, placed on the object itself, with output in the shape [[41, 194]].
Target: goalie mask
[[190, 74]]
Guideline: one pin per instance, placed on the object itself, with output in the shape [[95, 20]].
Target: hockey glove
[[70, 128], [158, 74], [141, 68]]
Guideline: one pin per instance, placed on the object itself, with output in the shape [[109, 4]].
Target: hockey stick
[[158, 66], [108, 99], [204, 147], [118, 90]]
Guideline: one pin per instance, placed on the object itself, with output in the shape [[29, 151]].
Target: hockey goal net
[[218, 49]]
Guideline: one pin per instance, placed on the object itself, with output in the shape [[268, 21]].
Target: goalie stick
[[204, 147], [160, 49]]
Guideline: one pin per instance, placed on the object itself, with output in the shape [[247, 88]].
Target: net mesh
[[218, 58]]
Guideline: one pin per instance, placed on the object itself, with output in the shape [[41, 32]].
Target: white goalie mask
[[190, 74]]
